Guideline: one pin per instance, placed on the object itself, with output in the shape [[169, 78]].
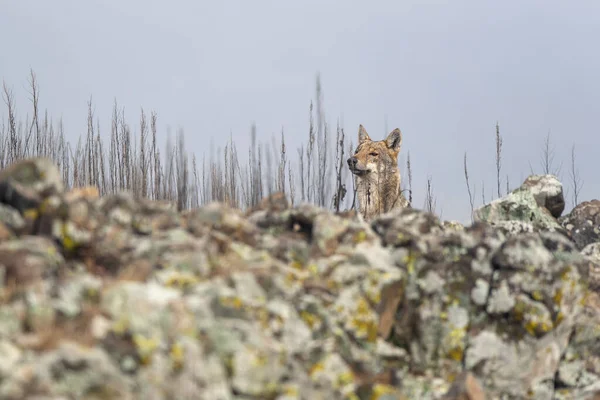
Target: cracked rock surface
[[111, 297]]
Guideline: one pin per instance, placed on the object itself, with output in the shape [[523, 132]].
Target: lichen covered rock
[[117, 298]]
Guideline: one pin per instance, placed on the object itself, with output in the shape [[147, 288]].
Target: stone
[[115, 297], [583, 223], [547, 191]]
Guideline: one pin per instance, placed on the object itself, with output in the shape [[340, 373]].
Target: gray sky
[[442, 72]]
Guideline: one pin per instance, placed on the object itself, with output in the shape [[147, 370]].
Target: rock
[[68, 372], [583, 223], [547, 191], [26, 183], [592, 252], [28, 260], [117, 297], [5, 232], [10, 219], [465, 387], [520, 211]]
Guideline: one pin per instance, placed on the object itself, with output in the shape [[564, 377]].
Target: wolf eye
[[374, 154]]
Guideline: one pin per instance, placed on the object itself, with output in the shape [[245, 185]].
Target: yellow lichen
[[177, 356], [360, 236], [228, 363], [363, 321], [316, 368], [145, 347], [455, 343], [231, 301], [52, 251], [558, 296], [366, 329], [311, 319], [345, 378], [410, 260], [362, 307], [545, 326], [380, 389], [68, 242], [530, 327], [181, 280], [559, 318], [259, 360], [290, 279], [91, 293], [120, 326], [456, 354], [290, 390], [297, 265], [271, 389], [519, 311], [537, 295], [32, 213], [535, 327], [262, 315]]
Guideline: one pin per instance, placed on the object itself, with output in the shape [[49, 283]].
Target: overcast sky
[[442, 71]]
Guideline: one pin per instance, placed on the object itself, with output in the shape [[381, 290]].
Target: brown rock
[[465, 387], [5, 233]]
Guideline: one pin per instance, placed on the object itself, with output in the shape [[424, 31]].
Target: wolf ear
[[394, 140], [363, 136]]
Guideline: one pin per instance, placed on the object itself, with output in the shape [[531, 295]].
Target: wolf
[[375, 167]]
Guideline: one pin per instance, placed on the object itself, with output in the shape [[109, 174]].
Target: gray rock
[[547, 191], [115, 297], [583, 223], [518, 212], [24, 184]]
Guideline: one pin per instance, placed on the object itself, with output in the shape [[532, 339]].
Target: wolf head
[[374, 160]]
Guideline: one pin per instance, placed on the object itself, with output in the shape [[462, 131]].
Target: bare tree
[[322, 148], [498, 156], [282, 163], [576, 183], [14, 151], [482, 192], [468, 186], [547, 158], [340, 191], [35, 119], [409, 172], [430, 201]]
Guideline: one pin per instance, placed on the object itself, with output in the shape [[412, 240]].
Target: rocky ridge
[[116, 298]]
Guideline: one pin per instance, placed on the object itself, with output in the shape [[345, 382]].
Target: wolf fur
[[375, 167]]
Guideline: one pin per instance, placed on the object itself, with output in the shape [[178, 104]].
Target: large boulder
[[24, 184], [501, 307], [547, 191], [532, 207], [583, 223]]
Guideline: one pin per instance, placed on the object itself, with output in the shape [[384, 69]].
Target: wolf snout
[[356, 167]]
